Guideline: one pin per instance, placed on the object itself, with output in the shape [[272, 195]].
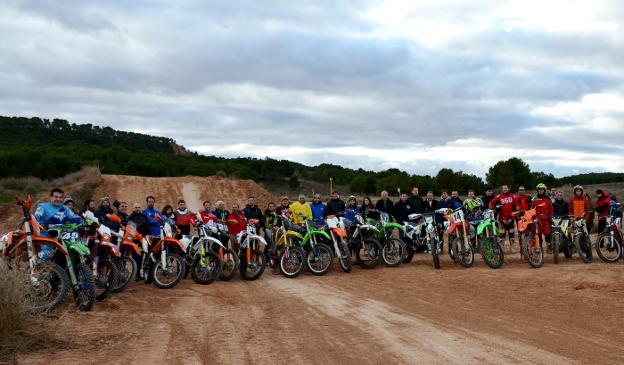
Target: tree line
[[49, 149]]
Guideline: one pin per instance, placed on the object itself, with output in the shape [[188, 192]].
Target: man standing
[[252, 211], [403, 208], [183, 218], [523, 200], [151, 213], [415, 199], [455, 202], [54, 212], [543, 207], [487, 198], [139, 219], [507, 203], [561, 207], [318, 210], [335, 205], [385, 204], [301, 210]]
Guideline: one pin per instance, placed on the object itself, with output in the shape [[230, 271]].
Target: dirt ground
[[559, 314], [168, 190]]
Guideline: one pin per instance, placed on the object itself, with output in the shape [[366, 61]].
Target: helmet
[[578, 187], [541, 186]]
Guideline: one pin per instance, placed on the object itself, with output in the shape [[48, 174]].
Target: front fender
[[80, 248], [38, 241], [254, 237], [340, 232], [394, 225], [172, 242], [315, 232], [483, 226], [114, 250], [133, 246]]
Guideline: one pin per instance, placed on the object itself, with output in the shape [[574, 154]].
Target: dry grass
[[19, 329]]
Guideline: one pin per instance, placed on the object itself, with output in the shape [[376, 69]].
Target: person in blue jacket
[[151, 212], [351, 209], [318, 210], [55, 212], [52, 213]]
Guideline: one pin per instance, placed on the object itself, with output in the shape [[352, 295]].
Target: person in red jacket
[[236, 221], [507, 203], [543, 206], [603, 202], [523, 200], [183, 218], [207, 213]]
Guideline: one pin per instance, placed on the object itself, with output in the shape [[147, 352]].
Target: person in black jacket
[[385, 204], [122, 211], [139, 219], [335, 205], [415, 199], [252, 211], [403, 208], [102, 211], [489, 195], [560, 206], [430, 204]]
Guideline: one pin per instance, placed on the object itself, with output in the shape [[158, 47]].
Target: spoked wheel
[[435, 255], [231, 262], [409, 254], [608, 248], [206, 269], [345, 260], [106, 279], [393, 252], [292, 261], [368, 253], [534, 255], [50, 284], [84, 294], [492, 253], [319, 259], [463, 256], [253, 269], [168, 276], [126, 268], [583, 247]]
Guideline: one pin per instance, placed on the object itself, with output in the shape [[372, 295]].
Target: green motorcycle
[[479, 235], [488, 241], [74, 259], [393, 249], [319, 255]]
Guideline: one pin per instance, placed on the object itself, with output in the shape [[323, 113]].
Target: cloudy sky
[[415, 85]]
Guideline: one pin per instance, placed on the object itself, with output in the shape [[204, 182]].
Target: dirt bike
[[253, 260], [162, 261], [319, 256], [460, 234], [49, 282], [414, 240], [105, 272], [285, 250], [339, 238], [364, 243], [561, 241], [610, 243], [229, 258], [202, 261], [393, 249], [530, 243], [488, 241], [127, 238]]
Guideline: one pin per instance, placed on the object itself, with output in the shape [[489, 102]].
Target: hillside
[[51, 149]]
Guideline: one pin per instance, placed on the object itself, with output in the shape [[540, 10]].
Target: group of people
[[551, 203]]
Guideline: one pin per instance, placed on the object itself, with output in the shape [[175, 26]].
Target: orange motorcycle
[[530, 243]]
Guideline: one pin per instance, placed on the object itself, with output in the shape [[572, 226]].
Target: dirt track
[[565, 314]]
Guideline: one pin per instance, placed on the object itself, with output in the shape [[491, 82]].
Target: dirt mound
[[195, 190]]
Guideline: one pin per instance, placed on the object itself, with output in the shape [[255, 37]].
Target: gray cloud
[[316, 76]]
